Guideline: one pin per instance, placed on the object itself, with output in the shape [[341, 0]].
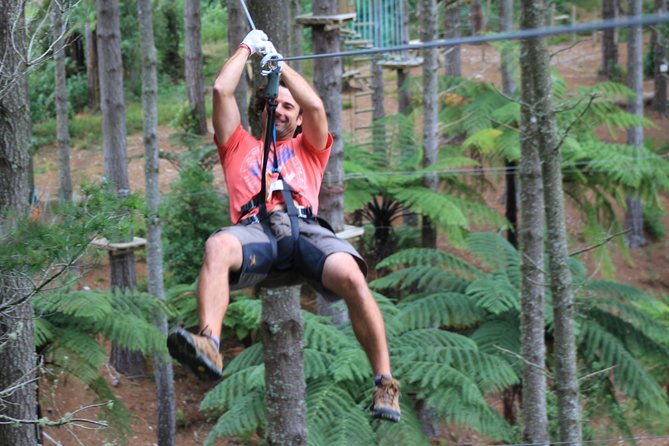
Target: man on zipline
[[279, 231]]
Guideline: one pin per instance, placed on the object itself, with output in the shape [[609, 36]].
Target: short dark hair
[[258, 102]]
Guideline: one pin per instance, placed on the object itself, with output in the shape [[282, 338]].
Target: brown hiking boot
[[197, 351], [386, 400]]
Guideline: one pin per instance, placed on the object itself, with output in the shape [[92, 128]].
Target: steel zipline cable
[[644, 20]]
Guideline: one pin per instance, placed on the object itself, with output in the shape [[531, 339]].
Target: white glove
[[270, 63], [255, 41]]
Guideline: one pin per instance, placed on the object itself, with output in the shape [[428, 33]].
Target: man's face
[[287, 115]]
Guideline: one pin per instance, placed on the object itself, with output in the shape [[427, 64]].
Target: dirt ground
[[577, 64]]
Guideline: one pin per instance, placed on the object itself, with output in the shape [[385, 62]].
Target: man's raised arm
[[314, 119], [225, 116]]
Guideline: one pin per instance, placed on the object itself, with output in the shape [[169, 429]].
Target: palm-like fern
[[393, 173], [613, 330], [445, 369], [597, 174]]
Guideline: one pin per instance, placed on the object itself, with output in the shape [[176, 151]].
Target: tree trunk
[[273, 19], [403, 74], [172, 63], [92, 68], [327, 82], [115, 155], [282, 334], [237, 30], [476, 16], [17, 356], [296, 34], [63, 132], [660, 57], [193, 72], [543, 116], [378, 109], [634, 216], [430, 110], [452, 31], [162, 365], [509, 88], [531, 235], [609, 44]]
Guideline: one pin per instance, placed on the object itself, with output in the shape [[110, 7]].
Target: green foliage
[[68, 323], [445, 369], [614, 327], [191, 212], [597, 175], [385, 180]]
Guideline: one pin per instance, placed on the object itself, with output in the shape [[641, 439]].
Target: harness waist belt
[[304, 212]]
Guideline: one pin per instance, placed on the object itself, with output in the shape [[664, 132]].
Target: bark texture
[[451, 31], [543, 115], [531, 238], [17, 354], [634, 216], [274, 19], [193, 56], [282, 333], [660, 55], [92, 67], [114, 148], [327, 82], [609, 44], [508, 63], [162, 365], [62, 118], [430, 109], [378, 108], [237, 30]]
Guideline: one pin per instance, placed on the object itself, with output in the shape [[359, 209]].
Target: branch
[[593, 374], [523, 359], [561, 50], [597, 245], [578, 118]]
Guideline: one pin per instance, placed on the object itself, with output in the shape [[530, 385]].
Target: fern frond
[[91, 305], [419, 339], [351, 364], [429, 256], [408, 432], [494, 294], [427, 278], [243, 417], [495, 251], [234, 387], [351, 428], [630, 376], [78, 354], [437, 309], [320, 334], [44, 331], [326, 401], [316, 364], [248, 358], [498, 332]]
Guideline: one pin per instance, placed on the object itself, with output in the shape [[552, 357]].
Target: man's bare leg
[[200, 352], [223, 253], [342, 276]]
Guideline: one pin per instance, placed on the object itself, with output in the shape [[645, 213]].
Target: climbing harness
[[271, 180]]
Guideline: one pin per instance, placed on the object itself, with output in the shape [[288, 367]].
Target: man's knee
[[342, 275], [224, 250]]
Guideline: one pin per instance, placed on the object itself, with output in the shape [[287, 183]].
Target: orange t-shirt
[[301, 166]]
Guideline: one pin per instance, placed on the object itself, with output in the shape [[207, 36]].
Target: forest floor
[[646, 268]]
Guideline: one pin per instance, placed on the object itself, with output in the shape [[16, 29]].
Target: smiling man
[[282, 233]]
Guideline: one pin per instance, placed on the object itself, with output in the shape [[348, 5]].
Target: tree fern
[[245, 415]]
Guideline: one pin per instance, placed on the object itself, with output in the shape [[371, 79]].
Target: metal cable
[[644, 20]]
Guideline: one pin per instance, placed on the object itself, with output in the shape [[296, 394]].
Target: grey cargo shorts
[[314, 245]]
